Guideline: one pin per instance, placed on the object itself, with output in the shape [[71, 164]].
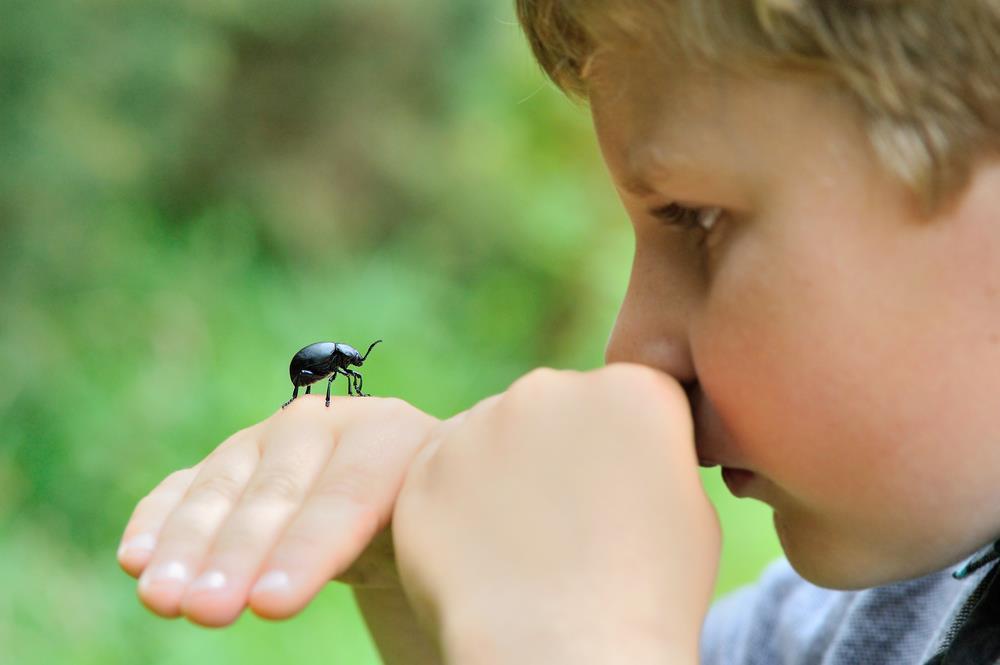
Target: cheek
[[786, 348], [843, 376], [857, 375]]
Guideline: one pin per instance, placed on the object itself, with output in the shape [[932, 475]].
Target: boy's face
[[847, 348]]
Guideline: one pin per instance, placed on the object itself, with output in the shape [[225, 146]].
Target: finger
[[141, 533], [191, 525], [295, 452], [351, 502], [139, 538]]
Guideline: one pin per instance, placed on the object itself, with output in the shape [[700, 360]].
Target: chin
[[848, 559], [821, 573], [829, 561]]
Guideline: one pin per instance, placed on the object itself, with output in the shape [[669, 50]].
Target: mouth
[[712, 438], [737, 480]]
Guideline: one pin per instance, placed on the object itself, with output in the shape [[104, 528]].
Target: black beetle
[[326, 359]]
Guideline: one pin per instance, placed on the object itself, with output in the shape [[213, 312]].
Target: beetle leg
[[347, 374], [357, 380], [329, 383], [295, 393], [295, 386]]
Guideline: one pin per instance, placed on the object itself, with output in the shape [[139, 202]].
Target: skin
[[562, 521], [846, 347], [309, 491], [509, 493], [834, 340]]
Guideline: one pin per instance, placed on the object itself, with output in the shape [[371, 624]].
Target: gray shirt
[[783, 620]]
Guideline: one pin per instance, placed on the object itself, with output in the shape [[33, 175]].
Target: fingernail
[[276, 580], [212, 579], [144, 541], [164, 572]]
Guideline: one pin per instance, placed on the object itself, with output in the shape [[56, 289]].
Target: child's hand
[[302, 493], [562, 521]]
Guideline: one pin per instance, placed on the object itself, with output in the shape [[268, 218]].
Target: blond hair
[[924, 74]]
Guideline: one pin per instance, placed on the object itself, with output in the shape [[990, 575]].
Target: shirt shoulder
[[784, 619]]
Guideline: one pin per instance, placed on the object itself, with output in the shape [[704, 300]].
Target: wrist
[[471, 640]]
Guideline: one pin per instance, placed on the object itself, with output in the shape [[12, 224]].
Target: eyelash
[[674, 215]]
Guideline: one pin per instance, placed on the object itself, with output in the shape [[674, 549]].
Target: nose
[[654, 320]]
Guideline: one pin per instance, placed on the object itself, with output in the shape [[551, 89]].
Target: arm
[[560, 635], [394, 628], [562, 522], [402, 640]]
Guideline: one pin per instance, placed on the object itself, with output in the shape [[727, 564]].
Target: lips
[[737, 480], [715, 446]]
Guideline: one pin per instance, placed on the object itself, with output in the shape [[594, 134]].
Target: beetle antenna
[[364, 357]]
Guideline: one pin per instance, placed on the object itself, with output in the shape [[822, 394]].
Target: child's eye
[[688, 219]]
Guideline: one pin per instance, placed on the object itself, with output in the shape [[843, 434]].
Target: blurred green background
[[192, 191]]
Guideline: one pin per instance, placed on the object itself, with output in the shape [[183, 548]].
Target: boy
[[814, 306]]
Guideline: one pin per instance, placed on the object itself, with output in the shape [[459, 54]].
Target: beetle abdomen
[[315, 359]]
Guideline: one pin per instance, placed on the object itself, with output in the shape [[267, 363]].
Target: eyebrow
[[651, 166], [637, 182], [638, 185]]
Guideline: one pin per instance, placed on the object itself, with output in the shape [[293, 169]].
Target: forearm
[[621, 652], [394, 628], [467, 642]]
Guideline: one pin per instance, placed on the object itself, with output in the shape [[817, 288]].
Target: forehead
[[656, 118]]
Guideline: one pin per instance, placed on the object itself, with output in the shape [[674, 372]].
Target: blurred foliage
[[190, 192]]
